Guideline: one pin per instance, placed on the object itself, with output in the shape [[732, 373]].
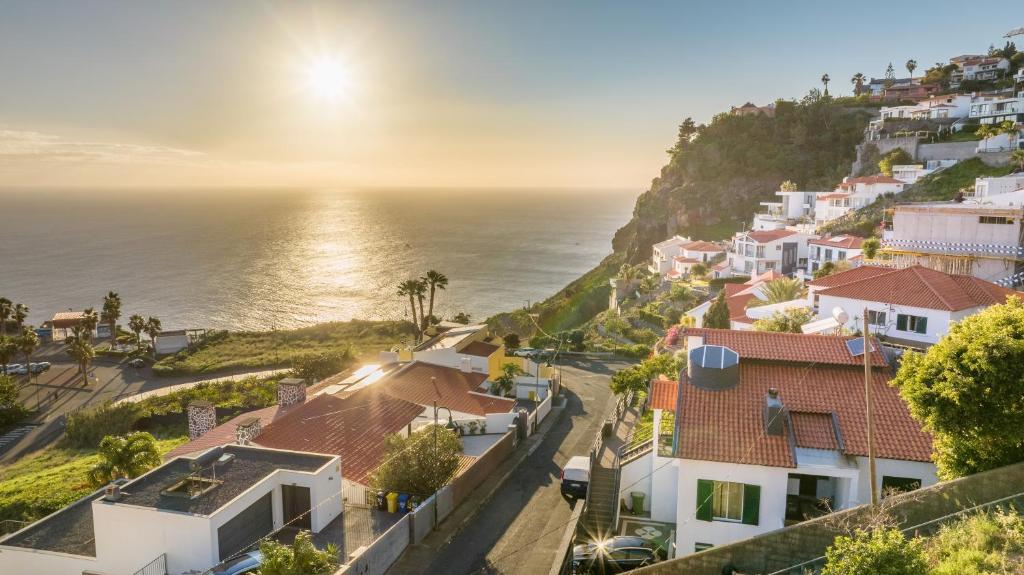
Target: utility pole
[[867, 399]]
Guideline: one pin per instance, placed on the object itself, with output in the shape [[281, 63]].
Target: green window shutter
[[705, 489], [922, 325], [901, 322], [751, 504]]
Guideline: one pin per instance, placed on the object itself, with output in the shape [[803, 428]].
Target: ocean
[[276, 259]]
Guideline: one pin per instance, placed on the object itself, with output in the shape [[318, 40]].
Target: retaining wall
[[482, 467]]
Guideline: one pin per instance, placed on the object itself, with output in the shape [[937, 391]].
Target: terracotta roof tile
[[479, 349], [848, 242], [225, 432], [869, 180], [765, 277], [765, 236], [663, 394], [848, 276], [790, 347], [918, 286], [703, 246], [813, 430], [424, 383]]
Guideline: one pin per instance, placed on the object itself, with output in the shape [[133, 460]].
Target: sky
[[419, 94]]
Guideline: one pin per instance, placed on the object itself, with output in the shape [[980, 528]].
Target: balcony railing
[[956, 248]]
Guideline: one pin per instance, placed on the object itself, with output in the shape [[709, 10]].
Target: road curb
[[563, 543]]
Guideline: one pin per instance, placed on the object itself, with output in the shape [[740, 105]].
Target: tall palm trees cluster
[[418, 290], [23, 340]]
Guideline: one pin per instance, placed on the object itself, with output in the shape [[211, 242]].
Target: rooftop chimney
[[290, 391], [112, 493], [774, 415], [202, 417], [466, 364], [247, 430]]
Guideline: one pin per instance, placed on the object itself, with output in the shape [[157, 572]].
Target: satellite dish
[[840, 315]]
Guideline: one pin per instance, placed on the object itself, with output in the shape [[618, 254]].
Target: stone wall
[[946, 151]]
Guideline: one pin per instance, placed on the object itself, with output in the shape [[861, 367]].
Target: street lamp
[[450, 426]]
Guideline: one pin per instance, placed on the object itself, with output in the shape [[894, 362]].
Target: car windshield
[[228, 565]]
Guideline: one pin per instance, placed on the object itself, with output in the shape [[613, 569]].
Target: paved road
[[520, 529]]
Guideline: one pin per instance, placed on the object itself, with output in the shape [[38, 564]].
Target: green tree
[[409, 288], [125, 456], [879, 551], [830, 268], [897, 157], [462, 317], [79, 347], [1017, 157], [28, 343], [858, 83], [649, 284], [911, 66], [421, 463], [153, 329], [5, 313], [717, 315], [420, 291], [111, 313], [504, 383], [825, 80], [788, 321], [299, 558], [870, 247], [8, 348], [316, 366], [631, 379], [19, 313], [90, 319], [778, 291], [11, 410], [699, 270], [137, 324], [435, 280], [681, 294], [788, 186], [968, 389], [890, 76], [511, 341]]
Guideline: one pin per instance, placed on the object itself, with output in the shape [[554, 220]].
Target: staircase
[[601, 502]]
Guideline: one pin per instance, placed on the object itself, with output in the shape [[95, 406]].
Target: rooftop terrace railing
[[956, 248]]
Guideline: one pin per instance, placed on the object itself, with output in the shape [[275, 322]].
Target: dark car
[[245, 563], [615, 555], [137, 363]]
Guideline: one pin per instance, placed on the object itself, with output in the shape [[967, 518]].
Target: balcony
[[800, 508]]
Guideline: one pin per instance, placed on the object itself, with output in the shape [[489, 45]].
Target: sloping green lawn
[[47, 480]]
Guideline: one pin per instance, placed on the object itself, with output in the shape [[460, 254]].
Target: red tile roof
[[765, 277], [832, 196], [765, 236], [225, 432], [424, 383], [702, 246], [813, 430], [355, 428], [870, 180], [479, 349], [683, 260], [737, 305], [919, 286], [848, 276], [663, 394], [848, 242], [789, 347], [728, 425]]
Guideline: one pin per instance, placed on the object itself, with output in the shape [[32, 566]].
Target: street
[[520, 529]]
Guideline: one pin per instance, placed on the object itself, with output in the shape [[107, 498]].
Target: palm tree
[[858, 83], [649, 284], [825, 80], [111, 313], [5, 313], [985, 131], [421, 293], [436, 280], [124, 456], [153, 329], [28, 343], [19, 313], [80, 349], [90, 319], [8, 347], [778, 291], [911, 66], [1017, 157], [408, 288], [627, 273], [137, 324]]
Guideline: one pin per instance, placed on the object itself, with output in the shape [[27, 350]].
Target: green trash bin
[[638, 501]]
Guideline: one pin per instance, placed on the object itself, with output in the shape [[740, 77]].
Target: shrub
[[882, 551], [11, 410], [317, 366], [86, 428]]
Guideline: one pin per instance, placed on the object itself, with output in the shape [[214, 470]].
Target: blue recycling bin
[[403, 502]]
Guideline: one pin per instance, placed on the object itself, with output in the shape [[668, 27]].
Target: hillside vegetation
[[716, 175]]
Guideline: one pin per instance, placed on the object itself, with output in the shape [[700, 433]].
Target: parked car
[[245, 563], [576, 477], [16, 369], [39, 367], [137, 363], [615, 555], [524, 352]]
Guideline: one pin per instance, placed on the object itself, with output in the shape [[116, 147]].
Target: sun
[[327, 79]]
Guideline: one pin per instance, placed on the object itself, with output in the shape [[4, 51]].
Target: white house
[[910, 173], [464, 347], [168, 342], [757, 444], [743, 309], [833, 249], [913, 306], [197, 511], [993, 186], [853, 194], [793, 207], [663, 252], [983, 68], [758, 251], [691, 254]]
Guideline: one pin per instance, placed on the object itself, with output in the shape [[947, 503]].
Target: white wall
[[951, 225], [938, 320], [128, 537], [448, 357], [636, 476], [31, 561], [926, 472]]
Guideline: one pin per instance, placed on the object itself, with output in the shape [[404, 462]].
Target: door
[[295, 504], [246, 528], [788, 258]]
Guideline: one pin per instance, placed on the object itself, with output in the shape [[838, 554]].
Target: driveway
[[520, 530]]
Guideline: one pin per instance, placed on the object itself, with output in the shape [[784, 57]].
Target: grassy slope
[[941, 186], [237, 350], [47, 480]]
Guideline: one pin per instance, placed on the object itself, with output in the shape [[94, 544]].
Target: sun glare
[[327, 79]]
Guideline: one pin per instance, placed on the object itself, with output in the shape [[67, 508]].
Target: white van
[[576, 477]]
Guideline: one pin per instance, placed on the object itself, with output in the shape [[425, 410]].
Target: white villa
[[833, 249], [758, 251], [853, 194], [994, 186], [793, 207], [693, 253], [768, 431], [663, 252]]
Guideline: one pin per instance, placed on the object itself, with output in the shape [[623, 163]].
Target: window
[[914, 323], [828, 253], [769, 265], [876, 317], [698, 546], [994, 220], [899, 484], [760, 251], [728, 501], [748, 266], [748, 250], [840, 255]]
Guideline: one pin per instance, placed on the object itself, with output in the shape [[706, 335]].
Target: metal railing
[[157, 566], [957, 248]]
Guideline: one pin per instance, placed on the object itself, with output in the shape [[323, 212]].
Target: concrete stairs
[[603, 499]]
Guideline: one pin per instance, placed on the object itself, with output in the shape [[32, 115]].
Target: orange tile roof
[[683, 260], [849, 276], [790, 347], [479, 349], [737, 305], [225, 432], [765, 277], [870, 180], [919, 286], [355, 428], [832, 196], [424, 383], [663, 394], [813, 430], [765, 236], [702, 246], [728, 425], [848, 242]]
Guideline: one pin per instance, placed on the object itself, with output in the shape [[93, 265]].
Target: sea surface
[[266, 259]]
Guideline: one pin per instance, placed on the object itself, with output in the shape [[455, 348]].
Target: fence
[[543, 408], [8, 526], [482, 467], [791, 549], [157, 566], [382, 553]]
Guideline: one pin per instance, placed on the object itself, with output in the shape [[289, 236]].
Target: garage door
[[246, 528]]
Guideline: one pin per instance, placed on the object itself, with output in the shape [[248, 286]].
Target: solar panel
[[856, 346]]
